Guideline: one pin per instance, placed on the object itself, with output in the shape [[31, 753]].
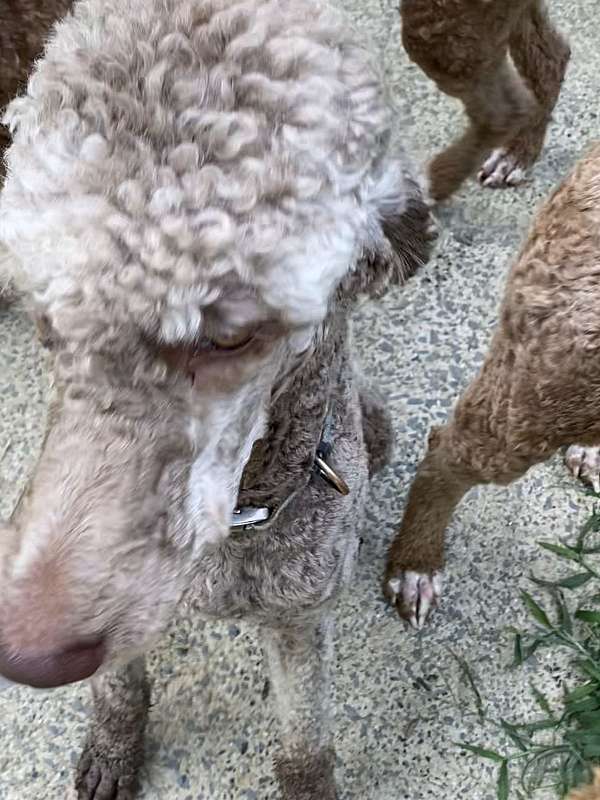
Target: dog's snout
[[47, 670]]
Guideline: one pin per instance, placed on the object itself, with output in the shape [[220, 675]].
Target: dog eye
[[233, 341], [207, 348]]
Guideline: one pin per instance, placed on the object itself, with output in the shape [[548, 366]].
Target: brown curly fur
[[24, 26], [463, 45], [591, 792], [539, 388], [292, 774]]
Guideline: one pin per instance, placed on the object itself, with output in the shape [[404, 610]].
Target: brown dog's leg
[[497, 107], [475, 447], [517, 412], [541, 55], [377, 430]]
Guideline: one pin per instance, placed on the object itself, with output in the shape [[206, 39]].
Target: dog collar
[[252, 517]]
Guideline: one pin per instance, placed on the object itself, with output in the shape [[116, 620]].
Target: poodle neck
[[285, 458]]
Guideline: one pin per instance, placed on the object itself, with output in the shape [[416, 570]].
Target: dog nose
[[46, 671]]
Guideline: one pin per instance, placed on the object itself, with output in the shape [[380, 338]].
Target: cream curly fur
[[213, 143]]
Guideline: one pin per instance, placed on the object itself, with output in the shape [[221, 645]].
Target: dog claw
[[501, 169], [415, 595], [584, 463]]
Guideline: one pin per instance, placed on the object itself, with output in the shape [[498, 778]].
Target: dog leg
[[515, 414], [114, 750], [377, 430], [300, 662], [496, 107], [538, 389], [541, 55], [413, 579]]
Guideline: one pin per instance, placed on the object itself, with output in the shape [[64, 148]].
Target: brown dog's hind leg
[[541, 55], [497, 106]]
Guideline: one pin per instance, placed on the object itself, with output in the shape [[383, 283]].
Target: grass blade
[[468, 676], [591, 669], [561, 550], [575, 581], [540, 699], [517, 651], [556, 751], [580, 692], [540, 725], [491, 755], [514, 735], [592, 617], [542, 582], [583, 706], [564, 618], [502, 787], [536, 611]]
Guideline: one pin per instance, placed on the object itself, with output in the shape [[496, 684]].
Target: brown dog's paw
[[502, 169], [509, 166], [584, 463], [105, 777], [414, 594]]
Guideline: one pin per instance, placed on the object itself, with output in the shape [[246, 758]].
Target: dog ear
[[400, 241], [47, 336]]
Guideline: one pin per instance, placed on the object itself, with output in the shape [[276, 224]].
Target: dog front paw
[[106, 775], [584, 463], [307, 775], [509, 166], [414, 594]]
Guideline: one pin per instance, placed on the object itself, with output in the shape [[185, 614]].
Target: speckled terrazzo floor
[[401, 701]]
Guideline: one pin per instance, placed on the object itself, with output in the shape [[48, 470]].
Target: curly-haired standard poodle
[[197, 193]]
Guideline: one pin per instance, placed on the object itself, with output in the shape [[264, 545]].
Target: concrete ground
[[402, 701]]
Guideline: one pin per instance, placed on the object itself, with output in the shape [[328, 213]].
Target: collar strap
[[251, 517]]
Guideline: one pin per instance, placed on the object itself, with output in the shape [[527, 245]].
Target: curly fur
[[464, 46], [207, 144], [185, 171], [292, 775], [537, 391]]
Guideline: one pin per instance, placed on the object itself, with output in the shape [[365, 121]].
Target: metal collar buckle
[[331, 476], [246, 517]]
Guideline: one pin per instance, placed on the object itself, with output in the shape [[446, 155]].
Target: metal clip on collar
[[249, 516], [261, 516], [331, 476]]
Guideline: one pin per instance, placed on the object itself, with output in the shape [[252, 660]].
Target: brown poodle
[[538, 389], [464, 46]]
